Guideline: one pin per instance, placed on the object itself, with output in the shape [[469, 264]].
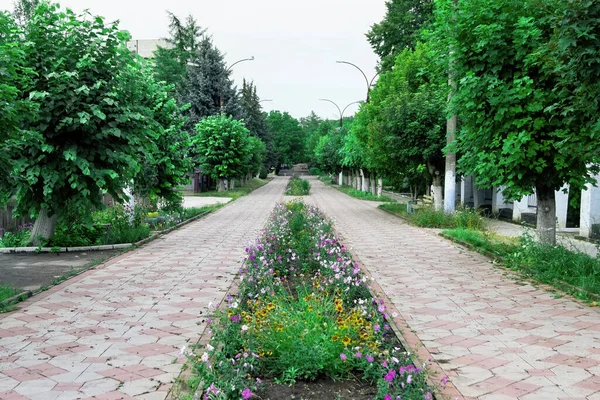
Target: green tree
[[165, 160], [222, 148], [256, 122], [207, 87], [15, 110], [89, 127], [184, 40], [327, 151], [403, 127], [399, 29], [24, 10], [509, 136], [288, 138], [311, 126]]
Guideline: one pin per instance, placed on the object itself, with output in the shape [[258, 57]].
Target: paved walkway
[[496, 338], [115, 332]]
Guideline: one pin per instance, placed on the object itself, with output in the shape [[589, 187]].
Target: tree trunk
[[546, 214], [362, 180], [373, 184], [232, 184], [222, 185], [438, 201], [379, 186], [356, 179], [43, 229], [365, 181]]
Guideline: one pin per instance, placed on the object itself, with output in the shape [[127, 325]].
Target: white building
[[146, 47]]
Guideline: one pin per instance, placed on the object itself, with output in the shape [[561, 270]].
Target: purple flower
[[390, 375], [428, 396], [376, 327], [358, 354], [343, 357], [246, 394], [369, 358], [387, 397]]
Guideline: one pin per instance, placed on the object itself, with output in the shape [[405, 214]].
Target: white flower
[[209, 347], [181, 352], [204, 357], [244, 327]]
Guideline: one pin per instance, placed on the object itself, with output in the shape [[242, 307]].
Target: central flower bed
[[304, 313]]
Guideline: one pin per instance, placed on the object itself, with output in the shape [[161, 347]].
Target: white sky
[[295, 43]]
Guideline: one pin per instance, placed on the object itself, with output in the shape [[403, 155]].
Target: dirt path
[[115, 332], [495, 337]]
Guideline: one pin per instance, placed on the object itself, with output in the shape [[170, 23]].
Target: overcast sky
[[295, 43]]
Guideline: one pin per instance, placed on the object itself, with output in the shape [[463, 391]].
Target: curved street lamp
[[369, 83], [340, 110], [239, 61], [265, 100]]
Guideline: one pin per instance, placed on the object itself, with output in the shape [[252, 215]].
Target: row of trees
[[519, 77], [82, 116]]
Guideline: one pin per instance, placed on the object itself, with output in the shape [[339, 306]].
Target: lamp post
[[239, 61], [340, 110], [369, 83], [265, 100]]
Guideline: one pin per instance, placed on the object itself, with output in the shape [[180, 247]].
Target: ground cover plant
[[6, 292], [298, 187], [427, 217], [16, 238], [569, 270], [303, 313], [359, 194]]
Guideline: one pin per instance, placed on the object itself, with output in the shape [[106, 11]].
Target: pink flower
[[358, 354], [390, 375], [376, 327], [246, 394], [387, 397], [369, 358], [343, 357]]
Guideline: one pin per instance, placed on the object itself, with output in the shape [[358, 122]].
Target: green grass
[[298, 187], [359, 194], [569, 270], [427, 217], [6, 292], [236, 193]]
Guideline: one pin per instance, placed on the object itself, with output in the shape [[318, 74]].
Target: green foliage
[[222, 146], [15, 109], [569, 270], [298, 187], [263, 173], [327, 152], [24, 10], [90, 126], [400, 29], [402, 128], [171, 63], [207, 87], [166, 162], [239, 191], [6, 292], [17, 238], [257, 153], [288, 138], [427, 217], [359, 194], [509, 136]]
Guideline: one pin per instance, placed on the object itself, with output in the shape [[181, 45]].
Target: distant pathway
[[115, 332], [496, 338]]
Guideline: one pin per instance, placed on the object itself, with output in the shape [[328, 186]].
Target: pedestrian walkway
[[115, 332], [497, 338]]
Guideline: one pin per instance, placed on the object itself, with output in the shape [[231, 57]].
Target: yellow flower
[[335, 338], [346, 340]]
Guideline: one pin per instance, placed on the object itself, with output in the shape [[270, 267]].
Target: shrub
[[315, 171], [298, 187], [17, 238], [263, 173]]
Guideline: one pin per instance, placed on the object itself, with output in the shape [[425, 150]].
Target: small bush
[[263, 173], [298, 187], [315, 171], [17, 238]]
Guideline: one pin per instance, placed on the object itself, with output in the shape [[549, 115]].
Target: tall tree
[[184, 40], [90, 127], [312, 132], [207, 87], [509, 136], [256, 122], [402, 128], [399, 29]]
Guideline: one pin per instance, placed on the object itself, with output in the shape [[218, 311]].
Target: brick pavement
[[115, 332], [496, 337]]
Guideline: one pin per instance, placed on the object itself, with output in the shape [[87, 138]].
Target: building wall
[[146, 47]]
